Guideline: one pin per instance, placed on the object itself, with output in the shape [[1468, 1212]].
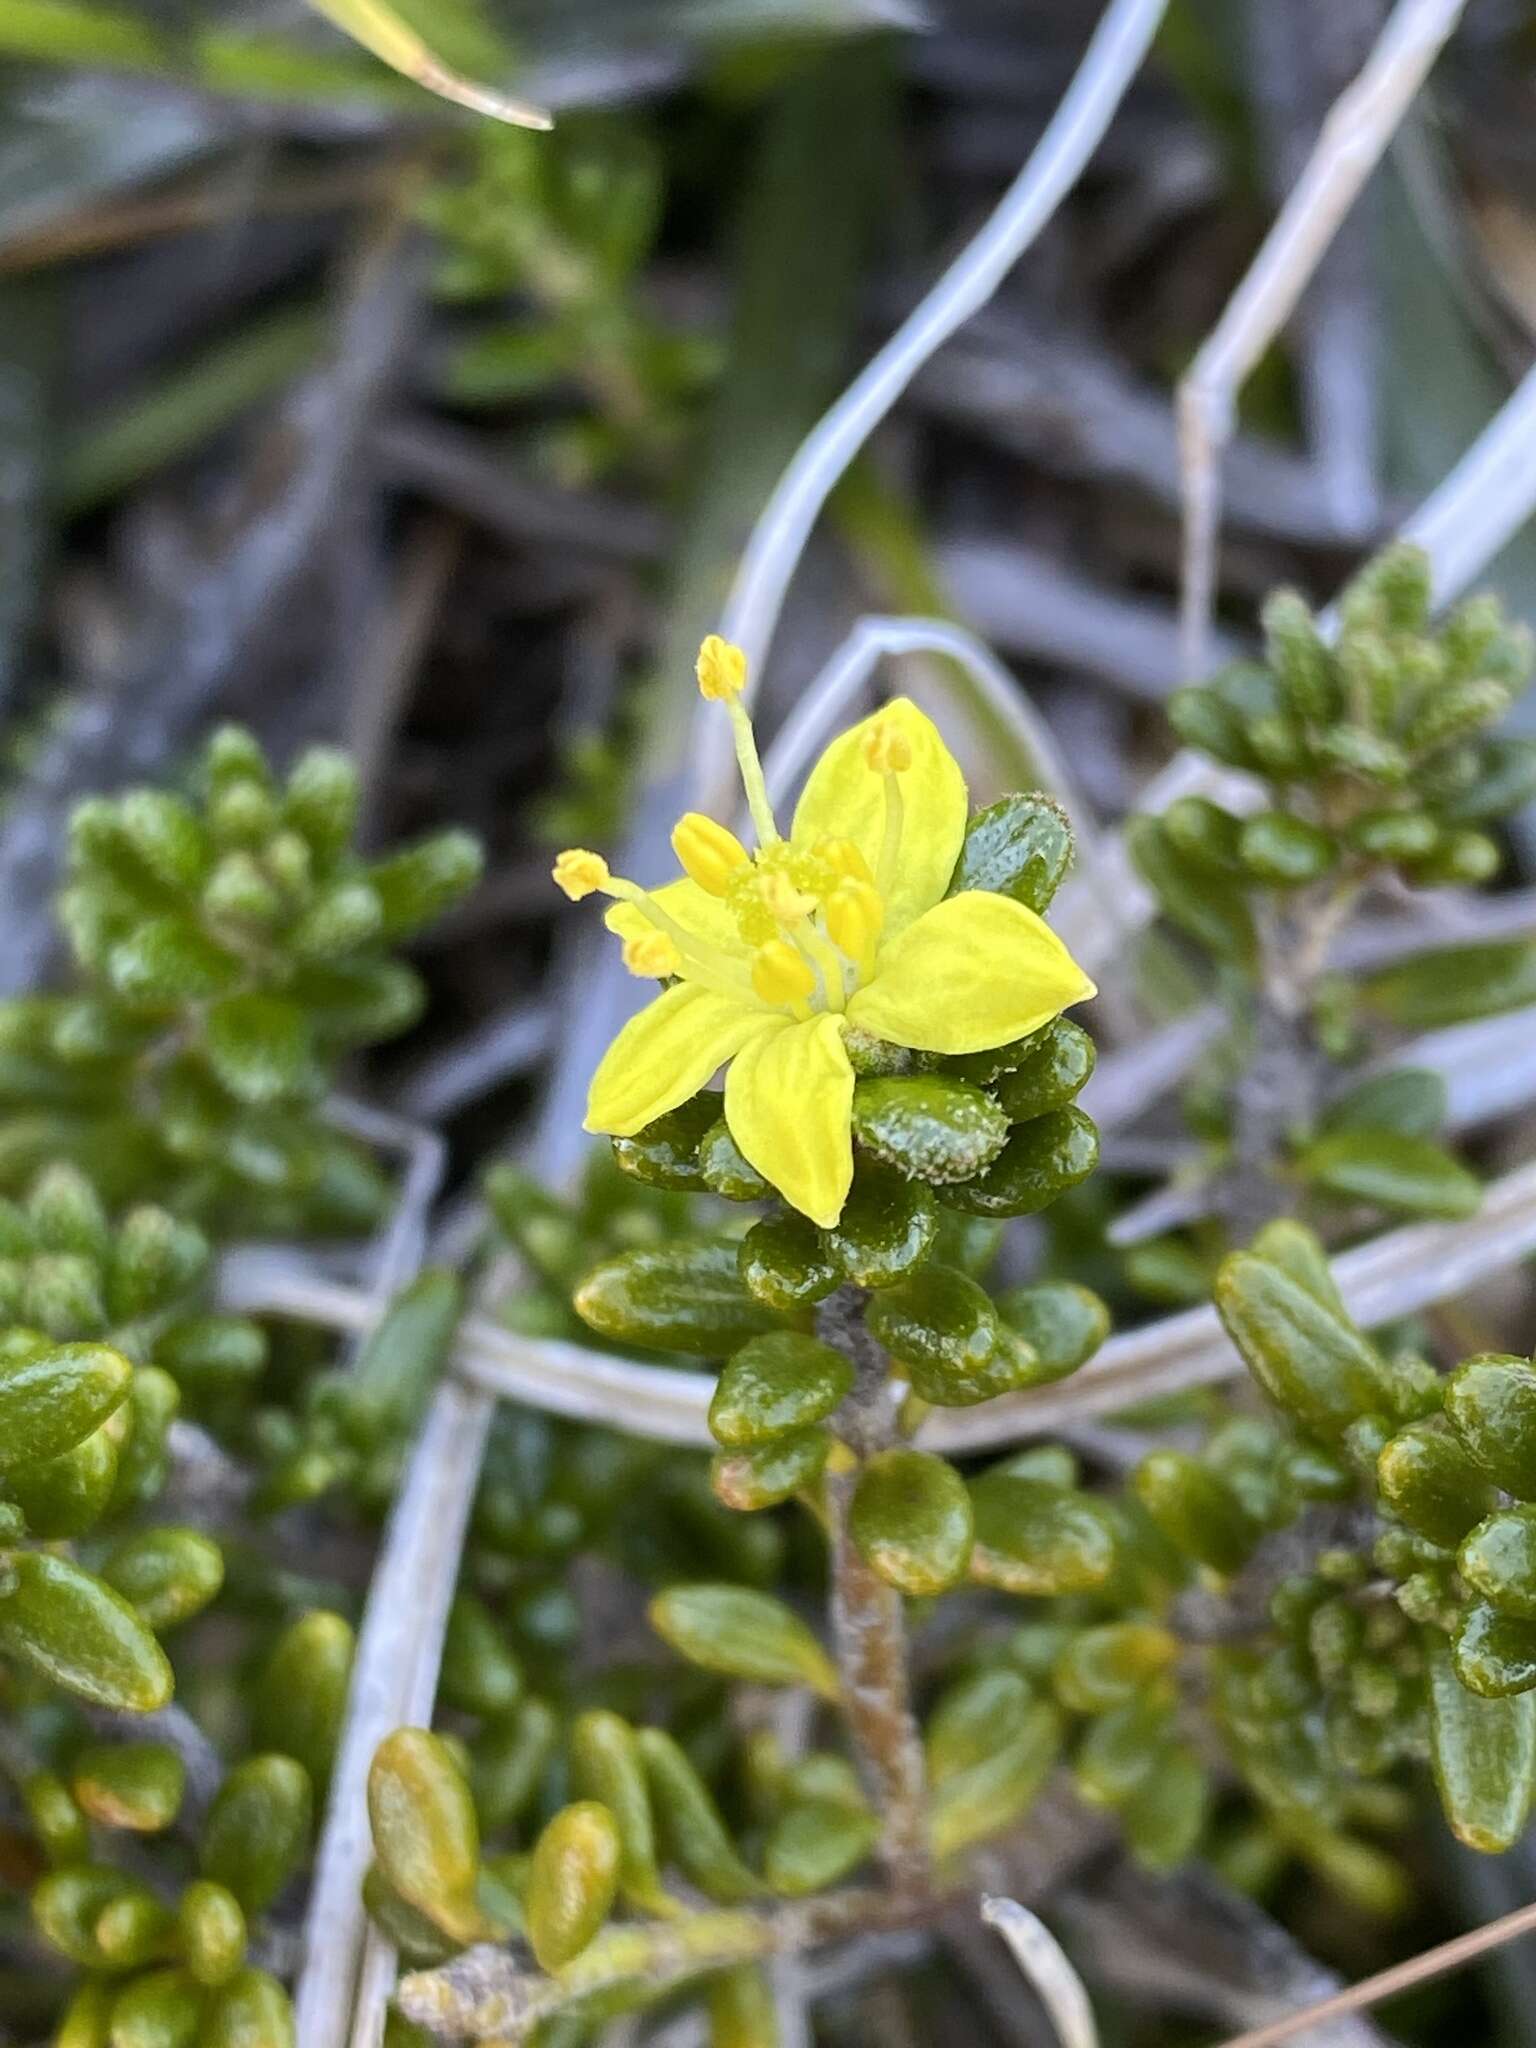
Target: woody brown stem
[[868, 1625]]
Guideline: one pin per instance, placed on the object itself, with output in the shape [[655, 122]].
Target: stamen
[[781, 974], [829, 968], [580, 873], [707, 964], [787, 903], [721, 669], [890, 839], [722, 672], [855, 915], [845, 857], [653, 956], [707, 852], [887, 749]]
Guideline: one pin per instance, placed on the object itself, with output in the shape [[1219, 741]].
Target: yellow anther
[[707, 852], [580, 873], [887, 748], [844, 857], [855, 915], [652, 956], [780, 974], [787, 903], [721, 669]]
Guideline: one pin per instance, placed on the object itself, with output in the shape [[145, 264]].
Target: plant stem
[[486, 1993], [1279, 1088], [868, 1626]]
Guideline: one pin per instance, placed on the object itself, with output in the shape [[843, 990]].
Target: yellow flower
[[843, 924]]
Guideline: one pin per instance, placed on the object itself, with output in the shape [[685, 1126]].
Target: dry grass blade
[[995, 699], [380, 29], [1419, 1969], [1354, 136], [1390, 1276], [398, 1648], [1044, 1964], [768, 562]]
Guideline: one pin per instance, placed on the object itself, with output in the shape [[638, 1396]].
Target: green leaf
[[606, 1767], [989, 1796], [774, 1386], [1039, 1540], [258, 1829], [666, 1153], [301, 1694], [886, 1229], [403, 1355], [1041, 1161], [168, 1574], [81, 1636], [1410, 1101], [1286, 852], [134, 1785], [1166, 1815], [169, 961], [1309, 1360], [1053, 1067], [786, 1263], [1062, 1323], [250, 2011], [211, 1930], [1453, 984], [1195, 1509], [1393, 1171], [696, 1838], [1020, 846], [928, 1126], [1490, 1402], [1498, 1561], [1495, 1654], [416, 885], [55, 1398], [1215, 913], [939, 1317], [480, 1673], [911, 1521], [424, 1830], [1429, 1482], [815, 1843], [572, 1881], [975, 1717], [1483, 1752], [686, 1296], [259, 1047], [772, 1473], [322, 799], [742, 1634]]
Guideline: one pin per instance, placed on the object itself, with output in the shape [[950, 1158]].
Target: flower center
[[808, 917]]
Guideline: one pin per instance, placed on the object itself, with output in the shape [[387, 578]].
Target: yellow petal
[[845, 799], [666, 1054], [788, 1102], [971, 973], [692, 907]]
